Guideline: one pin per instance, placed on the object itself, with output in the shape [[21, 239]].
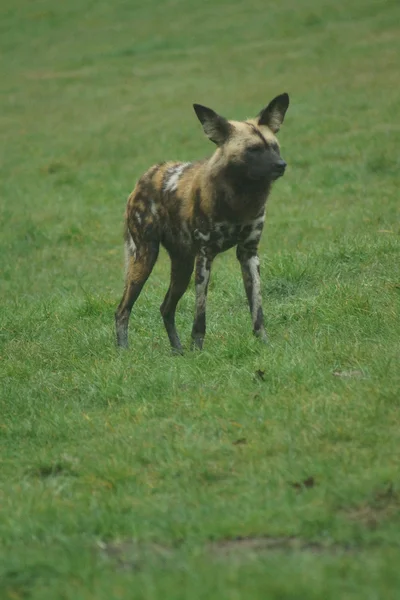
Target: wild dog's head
[[248, 149]]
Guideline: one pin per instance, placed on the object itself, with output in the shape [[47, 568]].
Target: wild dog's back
[[162, 204]]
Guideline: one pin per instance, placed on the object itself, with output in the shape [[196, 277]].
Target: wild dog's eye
[[255, 149], [275, 148]]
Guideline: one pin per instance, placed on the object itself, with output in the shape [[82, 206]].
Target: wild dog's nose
[[281, 164], [279, 168]]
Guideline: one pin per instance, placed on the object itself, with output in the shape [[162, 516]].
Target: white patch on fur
[[205, 237], [253, 264], [153, 208], [131, 245], [201, 289], [130, 250], [138, 218], [254, 235], [258, 221], [127, 255], [174, 175], [225, 234]]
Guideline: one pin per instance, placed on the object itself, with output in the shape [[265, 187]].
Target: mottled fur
[[199, 209]]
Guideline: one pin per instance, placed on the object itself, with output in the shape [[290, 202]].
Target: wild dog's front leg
[[250, 264], [203, 269], [181, 272]]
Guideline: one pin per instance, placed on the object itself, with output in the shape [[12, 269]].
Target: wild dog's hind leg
[[203, 269], [250, 264], [181, 272], [139, 264]]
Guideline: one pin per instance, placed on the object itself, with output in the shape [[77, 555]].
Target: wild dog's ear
[[272, 116], [217, 128]]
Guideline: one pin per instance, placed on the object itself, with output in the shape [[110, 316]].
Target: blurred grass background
[[107, 458]]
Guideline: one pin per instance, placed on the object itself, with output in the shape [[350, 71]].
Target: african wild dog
[[199, 209]]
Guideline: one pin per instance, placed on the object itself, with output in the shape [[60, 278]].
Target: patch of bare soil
[[133, 555], [383, 504], [251, 545], [354, 373]]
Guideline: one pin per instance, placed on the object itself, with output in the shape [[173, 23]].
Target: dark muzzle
[[279, 168]]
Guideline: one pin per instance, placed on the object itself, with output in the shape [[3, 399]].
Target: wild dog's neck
[[236, 196]]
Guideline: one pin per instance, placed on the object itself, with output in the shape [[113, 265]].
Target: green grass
[[124, 475]]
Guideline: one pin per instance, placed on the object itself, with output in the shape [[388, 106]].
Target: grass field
[[242, 472]]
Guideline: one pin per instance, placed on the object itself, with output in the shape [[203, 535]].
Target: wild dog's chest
[[221, 236]]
